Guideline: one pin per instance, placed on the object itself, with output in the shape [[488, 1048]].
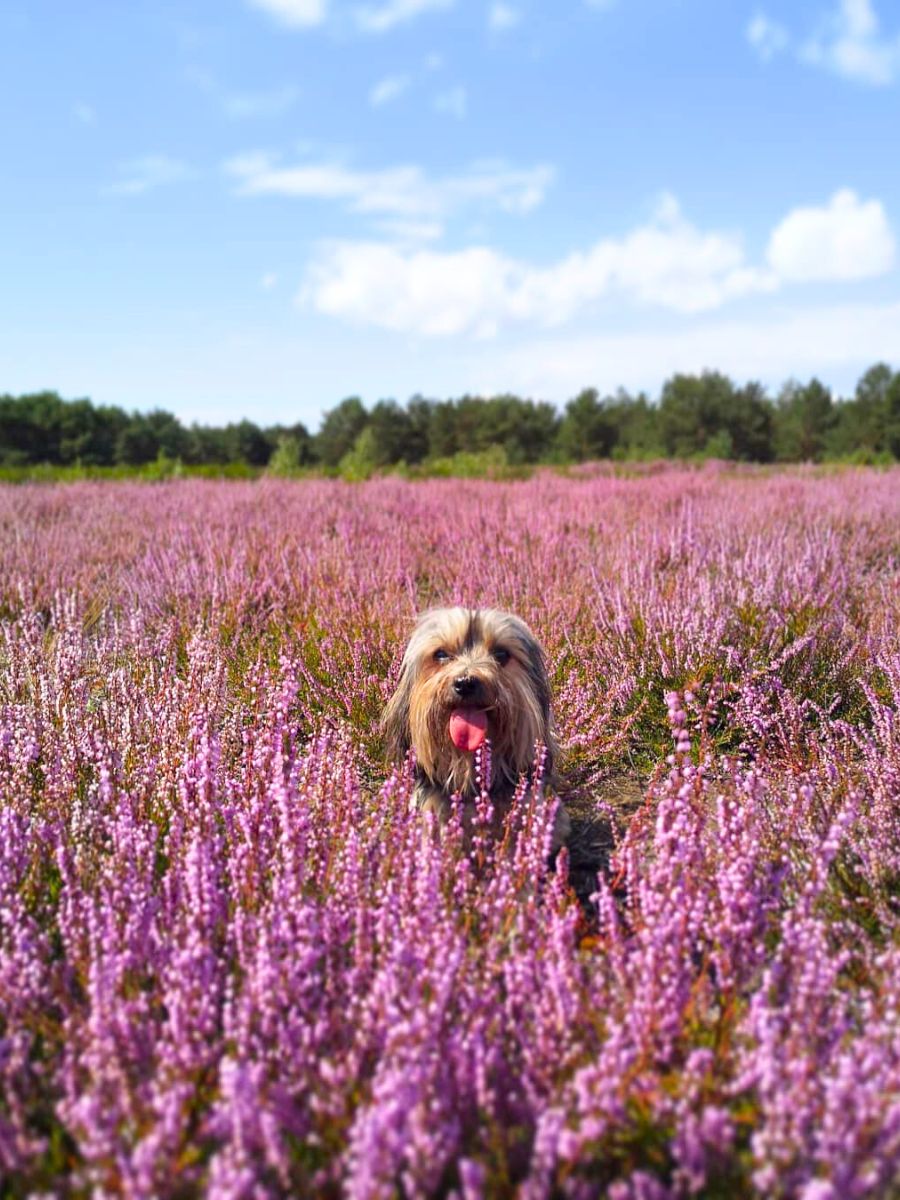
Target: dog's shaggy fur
[[460, 658]]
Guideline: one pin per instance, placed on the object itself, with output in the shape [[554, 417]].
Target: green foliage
[[341, 426], [706, 416], [491, 463], [691, 411], [524, 429], [387, 434], [246, 442], [749, 423], [362, 459], [804, 418], [697, 417], [285, 460], [160, 469], [587, 430]]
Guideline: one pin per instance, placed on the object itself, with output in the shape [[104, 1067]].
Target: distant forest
[[695, 416]]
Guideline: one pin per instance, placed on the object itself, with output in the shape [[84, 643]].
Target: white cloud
[[824, 341], [667, 263], [476, 290], [298, 14], [767, 37], [139, 175], [381, 18], [452, 103], [388, 89], [260, 104], [424, 292], [503, 16], [847, 239], [405, 191], [268, 281], [851, 44]]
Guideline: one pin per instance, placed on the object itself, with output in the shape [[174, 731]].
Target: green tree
[[524, 429], [587, 430], [892, 417], [340, 428], [299, 435], [361, 460], [862, 425], [78, 425], [146, 436], [749, 423], [389, 431], [636, 423], [206, 445], [443, 439], [804, 416], [692, 411], [136, 443], [101, 450], [421, 413], [246, 442], [285, 459], [31, 428], [528, 428]]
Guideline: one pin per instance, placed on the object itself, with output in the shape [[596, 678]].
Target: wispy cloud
[[296, 14], [667, 263], [851, 44], [502, 17], [150, 171], [379, 18], [265, 102], [268, 281], [272, 103], [388, 89], [406, 192], [411, 233], [767, 37], [452, 103]]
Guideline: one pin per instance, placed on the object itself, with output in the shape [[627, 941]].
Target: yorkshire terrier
[[470, 676]]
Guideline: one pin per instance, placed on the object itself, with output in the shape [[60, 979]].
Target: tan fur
[[514, 694]]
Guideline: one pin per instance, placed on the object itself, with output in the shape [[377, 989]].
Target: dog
[[468, 677]]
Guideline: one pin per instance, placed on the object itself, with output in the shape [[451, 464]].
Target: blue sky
[[256, 207]]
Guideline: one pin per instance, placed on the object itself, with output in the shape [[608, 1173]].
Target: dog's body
[[469, 675]]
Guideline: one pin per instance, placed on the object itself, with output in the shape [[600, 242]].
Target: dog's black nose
[[466, 687]]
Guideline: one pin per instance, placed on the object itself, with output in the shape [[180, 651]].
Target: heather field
[[232, 965]]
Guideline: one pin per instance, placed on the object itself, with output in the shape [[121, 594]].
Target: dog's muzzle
[[468, 688]]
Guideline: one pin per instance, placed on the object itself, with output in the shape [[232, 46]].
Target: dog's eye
[[502, 656], [441, 656]]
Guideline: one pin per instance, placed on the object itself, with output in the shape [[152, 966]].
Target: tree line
[[705, 415]]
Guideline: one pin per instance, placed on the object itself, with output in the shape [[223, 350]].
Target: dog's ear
[[536, 665], [395, 719]]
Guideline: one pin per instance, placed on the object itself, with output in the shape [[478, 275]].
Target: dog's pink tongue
[[468, 727]]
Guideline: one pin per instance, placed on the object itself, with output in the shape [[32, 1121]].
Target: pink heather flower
[[235, 961]]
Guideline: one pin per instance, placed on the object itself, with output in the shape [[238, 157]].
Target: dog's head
[[468, 675]]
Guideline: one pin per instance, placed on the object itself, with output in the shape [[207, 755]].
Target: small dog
[[469, 675]]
